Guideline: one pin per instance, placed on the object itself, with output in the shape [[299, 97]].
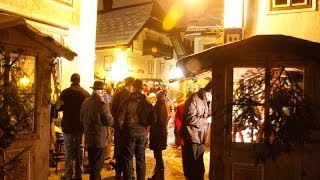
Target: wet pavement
[[172, 162]]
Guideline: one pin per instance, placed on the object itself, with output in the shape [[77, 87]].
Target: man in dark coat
[[158, 134], [194, 128], [135, 114], [71, 100], [115, 106], [96, 117]]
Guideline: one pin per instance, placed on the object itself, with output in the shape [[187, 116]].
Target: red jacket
[[177, 122]]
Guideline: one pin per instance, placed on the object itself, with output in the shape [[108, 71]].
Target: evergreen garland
[[16, 109], [289, 119]]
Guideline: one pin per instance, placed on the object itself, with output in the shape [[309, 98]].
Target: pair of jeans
[[72, 147], [133, 146], [192, 159], [96, 158]]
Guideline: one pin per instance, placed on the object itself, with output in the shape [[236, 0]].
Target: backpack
[[145, 113]]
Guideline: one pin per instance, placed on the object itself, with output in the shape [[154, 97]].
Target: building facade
[[72, 24]]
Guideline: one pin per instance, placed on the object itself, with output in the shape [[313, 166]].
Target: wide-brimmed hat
[[137, 84], [98, 85]]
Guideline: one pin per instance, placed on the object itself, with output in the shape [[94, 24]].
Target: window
[[17, 73], [162, 68], [150, 67], [130, 63], [276, 5], [265, 97], [108, 63]]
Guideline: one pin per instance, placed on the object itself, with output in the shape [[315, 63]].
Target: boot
[[154, 174], [158, 174]]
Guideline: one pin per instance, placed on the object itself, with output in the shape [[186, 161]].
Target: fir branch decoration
[[287, 121], [16, 109]]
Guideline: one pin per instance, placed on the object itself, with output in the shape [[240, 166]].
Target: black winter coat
[[158, 129], [72, 99], [128, 120]]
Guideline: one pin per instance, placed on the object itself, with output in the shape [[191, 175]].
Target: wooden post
[[217, 164]]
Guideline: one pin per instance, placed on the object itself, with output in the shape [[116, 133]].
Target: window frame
[[307, 5]]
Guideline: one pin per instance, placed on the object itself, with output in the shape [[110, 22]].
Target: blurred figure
[[107, 98], [71, 100], [178, 117], [152, 98], [115, 108], [145, 90], [108, 94], [152, 89], [194, 128], [135, 115], [96, 117], [158, 134], [179, 98]]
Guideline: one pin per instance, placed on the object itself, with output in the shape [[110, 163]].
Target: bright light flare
[[233, 13], [176, 73], [174, 15], [24, 81], [192, 2], [119, 68]]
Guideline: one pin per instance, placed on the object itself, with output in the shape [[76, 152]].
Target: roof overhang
[[260, 45], [20, 24]]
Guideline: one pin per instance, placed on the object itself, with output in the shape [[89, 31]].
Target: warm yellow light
[[192, 2], [174, 14], [175, 73], [154, 49], [119, 67], [233, 13], [24, 81]]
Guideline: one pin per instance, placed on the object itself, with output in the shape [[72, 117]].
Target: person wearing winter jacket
[[96, 117], [135, 115], [158, 134], [194, 128]]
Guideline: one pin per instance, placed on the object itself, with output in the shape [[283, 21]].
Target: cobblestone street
[[172, 161]]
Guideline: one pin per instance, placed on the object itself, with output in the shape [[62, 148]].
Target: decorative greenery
[[16, 108], [274, 106]]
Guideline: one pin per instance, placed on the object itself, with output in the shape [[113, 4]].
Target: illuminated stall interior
[[264, 92]]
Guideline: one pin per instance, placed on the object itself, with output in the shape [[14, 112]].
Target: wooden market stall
[[25, 49], [231, 148]]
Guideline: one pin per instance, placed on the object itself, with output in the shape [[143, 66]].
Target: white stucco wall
[[302, 23], [140, 61]]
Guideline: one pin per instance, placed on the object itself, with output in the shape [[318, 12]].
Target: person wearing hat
[[96, 117], [71, 100], [115, 106], [194, 128], [135, 115], [158, 134]]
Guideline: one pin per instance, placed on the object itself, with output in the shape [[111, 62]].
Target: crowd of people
[[134, 117]]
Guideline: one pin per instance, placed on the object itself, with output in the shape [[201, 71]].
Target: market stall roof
[[258, 46], [20, 24]]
